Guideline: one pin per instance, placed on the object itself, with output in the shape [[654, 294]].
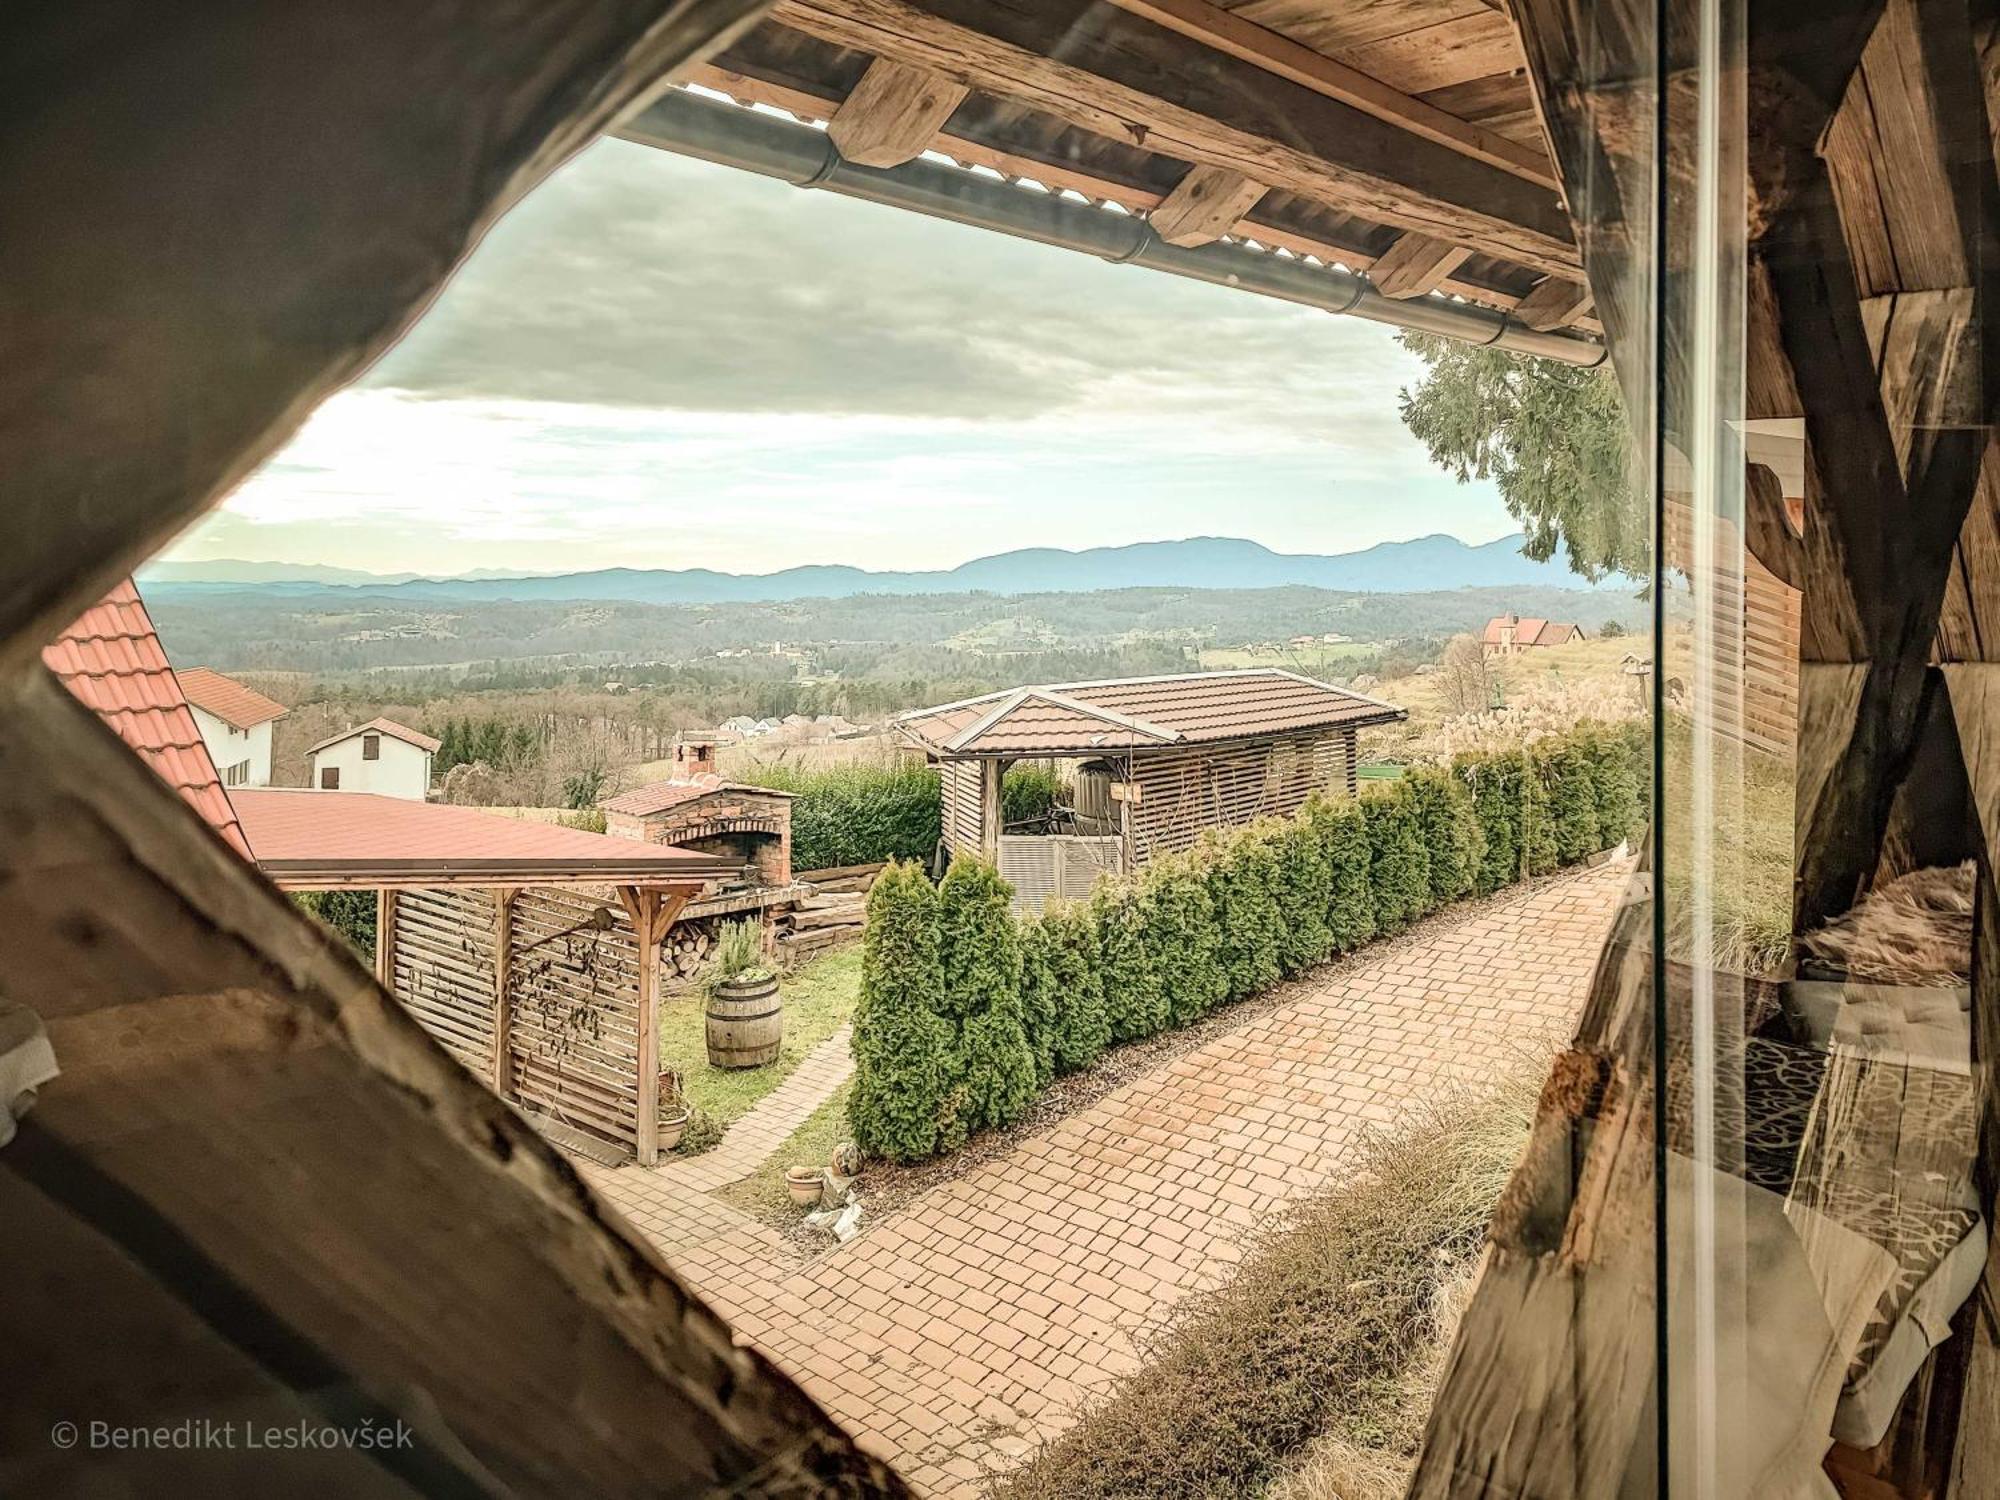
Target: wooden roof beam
[[1415, 266], [1556, 302], [1125, 77], [1205, 205], [1233, 33], [894, 113]]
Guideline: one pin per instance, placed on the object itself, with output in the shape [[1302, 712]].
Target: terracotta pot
[[805, 1184], [672, 1127]]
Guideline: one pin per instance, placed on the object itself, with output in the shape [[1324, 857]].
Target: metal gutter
[[735, 136]]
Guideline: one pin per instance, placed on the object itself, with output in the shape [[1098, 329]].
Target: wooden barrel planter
[[746, 1021]]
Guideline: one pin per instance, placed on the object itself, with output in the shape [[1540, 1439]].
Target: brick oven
[[697, 808]]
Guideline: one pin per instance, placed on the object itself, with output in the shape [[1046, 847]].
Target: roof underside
[[1404, 133], [1140, 713], [306, 839]]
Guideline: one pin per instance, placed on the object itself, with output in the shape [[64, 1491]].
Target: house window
[[237, 774], [329, 778], [371, 747]]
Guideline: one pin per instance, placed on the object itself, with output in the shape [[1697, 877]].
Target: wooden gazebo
[[530, 951], [1158, 760]]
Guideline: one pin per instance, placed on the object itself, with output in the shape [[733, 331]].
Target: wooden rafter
[[1231, 32], [893, 114], [1127, 78], [1415, 266], [1556, 301], [1204, 206]]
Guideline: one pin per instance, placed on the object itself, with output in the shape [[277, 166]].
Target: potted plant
[[746, 1021], [805, 1184], [674, 1112]]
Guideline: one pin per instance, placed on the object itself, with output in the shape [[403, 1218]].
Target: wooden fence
[[536, 991], [1046, 866]]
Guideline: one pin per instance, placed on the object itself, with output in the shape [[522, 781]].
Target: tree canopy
[[1552, 436]]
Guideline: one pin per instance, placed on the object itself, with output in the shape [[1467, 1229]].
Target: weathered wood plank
[[1124, 77], [1204, 206], [893, 114], [1556, 302]]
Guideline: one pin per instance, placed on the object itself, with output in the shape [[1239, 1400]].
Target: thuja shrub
[[1343, 833], [1078, 1028], [1039, 995], [1571, 777], [1242, 883], [1495, 781], [1449, 827], [1304, 893], [1183, 939], [903, 1046], [1134, 1003], [980, 955], [1399, 865], [1541, 850], [856, 814]]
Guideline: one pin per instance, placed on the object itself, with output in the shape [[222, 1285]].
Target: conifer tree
[[1304, 892], [1343, 831], [1495, 781], [1541, 849], [1183, 938], [1134, 1003], [1242, 882], [1399, 867], [902, 1044], [980, 952], [1040, 999], [1081, 1029], [1449, 827]]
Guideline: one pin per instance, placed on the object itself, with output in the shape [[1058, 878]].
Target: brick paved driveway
[[968, 1327]]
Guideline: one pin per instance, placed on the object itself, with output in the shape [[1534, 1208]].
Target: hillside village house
[[1509, 635], [235, 723], [381, 756]]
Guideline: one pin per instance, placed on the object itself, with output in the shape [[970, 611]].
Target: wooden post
[[385, 939], [990, 772], [652, 913], [503, 1002]]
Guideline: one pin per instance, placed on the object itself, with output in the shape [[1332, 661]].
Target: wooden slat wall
[[960, 809], [574, 992], [1069, 866], [1766, 611], [1186, 790], [443, 969]]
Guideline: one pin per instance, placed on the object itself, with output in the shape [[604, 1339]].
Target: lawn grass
[[763, 1192], [818, 997]]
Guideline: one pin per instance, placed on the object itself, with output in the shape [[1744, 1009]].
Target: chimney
[[693, 758]]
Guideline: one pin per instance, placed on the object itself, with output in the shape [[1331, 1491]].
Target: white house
[[380, 756], [235, 723]]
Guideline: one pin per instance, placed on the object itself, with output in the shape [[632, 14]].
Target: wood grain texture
[[893, 114], [1556, 302], [1415, 266], [1135, 82], [1204, 206]]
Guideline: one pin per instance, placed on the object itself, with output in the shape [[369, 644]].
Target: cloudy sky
[[654, 362]]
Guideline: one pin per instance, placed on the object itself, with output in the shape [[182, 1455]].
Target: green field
[[1320, 657]]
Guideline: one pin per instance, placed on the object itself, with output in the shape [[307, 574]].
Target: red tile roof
[[389, 727], [300, 837], [1080, 718], [229, 700], [658, 796], [1531, 631], [112, 661]]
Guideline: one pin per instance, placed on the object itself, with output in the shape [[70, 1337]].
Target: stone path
[[964, 1330], [751, 1138]]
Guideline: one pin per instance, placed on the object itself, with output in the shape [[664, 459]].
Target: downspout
[[735, 136]]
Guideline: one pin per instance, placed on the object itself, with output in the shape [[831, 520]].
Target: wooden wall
[[571, 1003], [959, 813], [1189, 789]]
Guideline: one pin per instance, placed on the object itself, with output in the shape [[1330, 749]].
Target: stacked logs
[[831, 913], [685, 949]]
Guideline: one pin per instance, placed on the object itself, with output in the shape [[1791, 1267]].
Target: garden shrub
[[1242, 883], [903, 1047], [1449, 827], [1636, 737], [979, 951], [1183, 939], [1343, 829], [1495, 781], [1028, 793], [1305, 894], [1080, 1029], [1039, 1000], [1572, 781], [856, 814], [1541, 851], [349, 913], [1399, 866], [1134, 1003]]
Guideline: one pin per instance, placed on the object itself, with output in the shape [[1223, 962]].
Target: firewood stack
[[832, 913]]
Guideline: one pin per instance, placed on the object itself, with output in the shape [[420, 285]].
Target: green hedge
[[865, 814], [966, 1010]]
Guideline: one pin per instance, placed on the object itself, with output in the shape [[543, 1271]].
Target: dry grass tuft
[[1312, 1367]]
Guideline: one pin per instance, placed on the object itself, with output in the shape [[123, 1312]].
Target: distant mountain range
[[1426, 564]]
